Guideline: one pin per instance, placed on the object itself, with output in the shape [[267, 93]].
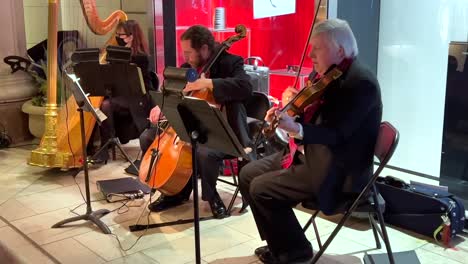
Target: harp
[[59, 147]]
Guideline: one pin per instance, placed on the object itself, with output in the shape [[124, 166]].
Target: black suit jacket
[[339, 141], [231, 89]]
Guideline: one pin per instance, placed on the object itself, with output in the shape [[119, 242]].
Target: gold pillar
[[47, 154]]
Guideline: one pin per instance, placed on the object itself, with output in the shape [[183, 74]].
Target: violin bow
[[307, 44]]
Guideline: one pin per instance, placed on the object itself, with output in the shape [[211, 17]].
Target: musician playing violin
[[231, 87], [334, 143]]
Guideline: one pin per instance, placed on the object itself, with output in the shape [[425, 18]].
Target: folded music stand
[[113, 79], [85, 105], [199, 123]]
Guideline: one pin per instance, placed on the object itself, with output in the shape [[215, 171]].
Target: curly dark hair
[[199, 36]]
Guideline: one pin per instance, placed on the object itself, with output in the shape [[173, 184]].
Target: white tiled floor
[[32, 199]]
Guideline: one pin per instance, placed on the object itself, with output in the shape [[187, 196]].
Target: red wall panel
[[278, 40]]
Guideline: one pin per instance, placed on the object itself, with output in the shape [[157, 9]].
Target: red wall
[[279, 40]]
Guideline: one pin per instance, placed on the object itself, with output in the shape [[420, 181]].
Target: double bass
[[170, 167]]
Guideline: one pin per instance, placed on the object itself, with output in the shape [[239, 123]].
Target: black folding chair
[[367, 201], [256, 108]]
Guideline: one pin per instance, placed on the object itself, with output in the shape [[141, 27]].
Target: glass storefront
[[454, 162], [416, 39]]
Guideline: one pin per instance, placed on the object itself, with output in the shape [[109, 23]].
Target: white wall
[[412, 68], [71, 18], [35, 20]]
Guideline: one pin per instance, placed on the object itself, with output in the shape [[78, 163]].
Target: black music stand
[[118, 78], [195, 121], [84, 105]]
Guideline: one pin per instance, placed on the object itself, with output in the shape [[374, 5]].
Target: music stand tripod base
[[114, 141], [91, 216]]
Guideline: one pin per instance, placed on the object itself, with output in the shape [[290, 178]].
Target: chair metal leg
[[374, 230], [384, 229], [317, 235], [233, 199], [312, 221], [306, 226], [234, 179], [332, 236], [377, 228]]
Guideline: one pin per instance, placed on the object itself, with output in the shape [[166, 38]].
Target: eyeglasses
[[122, 34]]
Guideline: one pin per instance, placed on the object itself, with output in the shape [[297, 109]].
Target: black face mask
[[120, 41]]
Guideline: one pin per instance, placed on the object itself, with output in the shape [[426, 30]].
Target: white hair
[[340, 34]]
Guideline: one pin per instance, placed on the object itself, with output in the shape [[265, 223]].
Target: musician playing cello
[[334, 142], [231, 87]]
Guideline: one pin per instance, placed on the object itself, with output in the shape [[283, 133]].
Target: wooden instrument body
[[68, 129], [172, 168], [173, 164], [310, 94]]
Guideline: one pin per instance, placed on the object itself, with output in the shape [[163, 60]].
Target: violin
[[306, 96]]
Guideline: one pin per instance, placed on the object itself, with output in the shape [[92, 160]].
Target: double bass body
[[172, 166], [167, 165]]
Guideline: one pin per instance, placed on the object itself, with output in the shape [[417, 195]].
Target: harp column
[[47, 154]]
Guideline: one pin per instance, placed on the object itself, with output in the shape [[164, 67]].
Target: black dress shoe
[[268, 258], [165, 202], [97, 161], [217, 207], [298, 257], [101, 158], [259, 251]]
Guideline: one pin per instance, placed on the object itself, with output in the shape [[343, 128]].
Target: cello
[[167, 164]]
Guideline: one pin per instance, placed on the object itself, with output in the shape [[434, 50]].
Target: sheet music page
[[80, 96]]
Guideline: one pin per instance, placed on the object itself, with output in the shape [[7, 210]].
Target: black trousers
[[147, 138], [209, 162], [272, 192], [109, 107]]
